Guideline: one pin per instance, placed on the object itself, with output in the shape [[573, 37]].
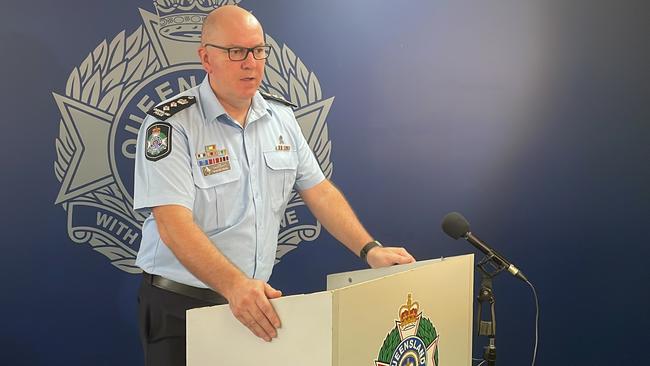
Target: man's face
[[234, 82]]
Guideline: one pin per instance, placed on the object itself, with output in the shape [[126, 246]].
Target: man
[[215, 166]]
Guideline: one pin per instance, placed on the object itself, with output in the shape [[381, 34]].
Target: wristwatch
[[366, 248]]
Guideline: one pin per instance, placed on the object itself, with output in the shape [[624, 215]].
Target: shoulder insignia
[[159, 141], [168, 109], [277, 98]]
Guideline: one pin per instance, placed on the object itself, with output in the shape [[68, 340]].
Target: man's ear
[[203, 57]]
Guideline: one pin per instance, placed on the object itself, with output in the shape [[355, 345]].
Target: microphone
[[456, 226]]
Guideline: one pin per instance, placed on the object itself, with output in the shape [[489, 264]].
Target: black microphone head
[[455, 225]]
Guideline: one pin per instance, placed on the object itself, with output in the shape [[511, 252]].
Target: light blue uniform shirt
[[240, 208]]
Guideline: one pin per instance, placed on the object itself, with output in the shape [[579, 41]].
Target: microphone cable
[[536, 321]]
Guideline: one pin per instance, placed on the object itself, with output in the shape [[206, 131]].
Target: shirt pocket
[[282, 167], [217, 199]]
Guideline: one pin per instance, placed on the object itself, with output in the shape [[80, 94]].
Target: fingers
[[388, 256], [271, 293], [251, 306], [268, 316], [405, 257], [249, 322], [395, 257]]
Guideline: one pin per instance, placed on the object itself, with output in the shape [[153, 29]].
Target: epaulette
[[168, 109], [277, 98]]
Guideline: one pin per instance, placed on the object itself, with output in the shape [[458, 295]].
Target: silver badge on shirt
[[282, 146], [213, 160]]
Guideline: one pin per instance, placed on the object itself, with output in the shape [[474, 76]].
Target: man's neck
[[238, 114], [236, 111]]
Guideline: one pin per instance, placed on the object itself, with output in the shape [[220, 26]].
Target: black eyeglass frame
[[266, 47]]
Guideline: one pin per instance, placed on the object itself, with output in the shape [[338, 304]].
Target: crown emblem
[[408, 313], [181, 20]]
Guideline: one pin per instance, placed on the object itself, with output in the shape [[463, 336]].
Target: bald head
[[226, 31], [226, 20]]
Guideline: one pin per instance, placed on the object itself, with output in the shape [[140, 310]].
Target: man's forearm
[[248, 298], [330, 207]]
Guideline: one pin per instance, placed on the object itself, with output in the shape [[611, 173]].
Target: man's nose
[[249, 61]]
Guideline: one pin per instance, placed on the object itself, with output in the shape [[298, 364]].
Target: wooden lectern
[[417, 314]]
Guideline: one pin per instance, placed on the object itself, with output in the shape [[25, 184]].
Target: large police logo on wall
[[105, 102]]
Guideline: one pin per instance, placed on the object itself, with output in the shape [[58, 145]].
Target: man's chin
[[249, 93]]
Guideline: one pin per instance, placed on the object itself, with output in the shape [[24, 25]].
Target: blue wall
[[532, 118]]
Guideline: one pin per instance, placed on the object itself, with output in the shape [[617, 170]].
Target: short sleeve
[[309, 172], [163, 172]]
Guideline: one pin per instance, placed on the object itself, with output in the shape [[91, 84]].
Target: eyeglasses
[[240, 53]]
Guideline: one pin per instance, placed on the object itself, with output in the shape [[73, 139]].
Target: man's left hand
[[388, 256]]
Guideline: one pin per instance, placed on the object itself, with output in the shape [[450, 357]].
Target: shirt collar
[[259, 108], [213, 109], [209, 102]]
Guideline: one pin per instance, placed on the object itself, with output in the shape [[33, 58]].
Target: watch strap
[[366, 248]]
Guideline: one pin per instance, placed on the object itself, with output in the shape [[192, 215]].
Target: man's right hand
[[249, 303]]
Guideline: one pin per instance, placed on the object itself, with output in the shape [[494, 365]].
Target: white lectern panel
[[215, 336]]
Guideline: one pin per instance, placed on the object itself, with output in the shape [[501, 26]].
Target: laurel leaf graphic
[[67, 144], [289, 237], [151, 60], [116, 51], [100, 56], [127, 265], [136, 67], [59, 171], [111, 100], [313, 89], [283, 249], [302, 73], [135, 42], [113, 252], [273, 62], [140, 52], [64, 155], [275, 84], [73, 86], [426, 331], [297, 92], [92, 90], [390, 344], [112, 199], [288, 61], [86, 68], [153, 66], [114, 77]]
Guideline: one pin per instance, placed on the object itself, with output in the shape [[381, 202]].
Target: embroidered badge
[[159, 141], [282, 146], [213, 160], [413, 340]]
